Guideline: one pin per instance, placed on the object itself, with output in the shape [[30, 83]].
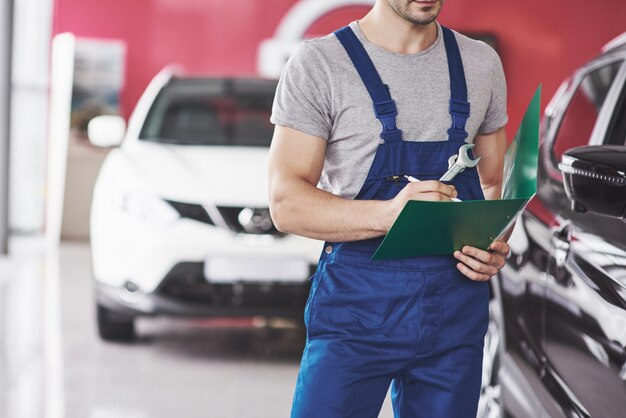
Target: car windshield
[[212, 112]]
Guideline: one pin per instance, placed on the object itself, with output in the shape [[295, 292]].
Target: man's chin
[[423, 18], [422, 14], [417, 12]]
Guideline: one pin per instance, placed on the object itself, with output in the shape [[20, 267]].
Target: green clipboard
[[439, 228]]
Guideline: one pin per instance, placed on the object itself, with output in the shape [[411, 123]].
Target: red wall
[[539, 40]]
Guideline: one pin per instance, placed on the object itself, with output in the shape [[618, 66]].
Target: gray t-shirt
[[320, 93]]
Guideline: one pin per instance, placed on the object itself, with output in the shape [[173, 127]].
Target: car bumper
[[185, 292], [145, 253]]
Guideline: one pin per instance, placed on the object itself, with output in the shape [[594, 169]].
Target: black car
[[556, 345]]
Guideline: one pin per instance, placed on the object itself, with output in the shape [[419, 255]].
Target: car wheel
[[490, 405], [113, 326]]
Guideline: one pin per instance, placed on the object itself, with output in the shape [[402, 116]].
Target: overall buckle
[[459, 111], [386, 111]]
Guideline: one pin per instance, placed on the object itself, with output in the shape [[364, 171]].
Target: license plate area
[[257, 269]]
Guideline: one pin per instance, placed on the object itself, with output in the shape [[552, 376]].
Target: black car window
[[582, 112], [212, 112]]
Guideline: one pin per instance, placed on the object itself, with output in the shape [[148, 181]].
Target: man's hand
[[481, 265], [431, 190]]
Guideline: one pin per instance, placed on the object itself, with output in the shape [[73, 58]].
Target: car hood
[[229, 176]]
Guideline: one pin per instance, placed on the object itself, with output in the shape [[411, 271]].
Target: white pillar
[[32, 31]]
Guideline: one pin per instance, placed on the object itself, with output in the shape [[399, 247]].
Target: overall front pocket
[[359, 302]]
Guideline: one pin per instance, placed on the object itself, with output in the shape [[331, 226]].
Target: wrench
[[459, 162]]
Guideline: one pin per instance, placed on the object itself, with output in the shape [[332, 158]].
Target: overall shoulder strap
[[459, 106], [384, 106]]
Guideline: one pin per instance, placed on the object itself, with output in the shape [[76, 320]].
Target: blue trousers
[[419, 330]]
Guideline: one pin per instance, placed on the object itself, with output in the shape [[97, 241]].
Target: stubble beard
[[408, 10]]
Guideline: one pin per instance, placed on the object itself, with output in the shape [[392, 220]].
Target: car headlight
[[148, 208]]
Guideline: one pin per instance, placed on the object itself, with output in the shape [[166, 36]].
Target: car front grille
[[239, 219], [191, 211], [185, 282]]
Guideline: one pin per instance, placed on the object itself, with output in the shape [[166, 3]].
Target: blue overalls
[[416, 323]]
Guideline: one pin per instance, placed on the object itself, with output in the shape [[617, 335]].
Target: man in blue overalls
[[415, 323]]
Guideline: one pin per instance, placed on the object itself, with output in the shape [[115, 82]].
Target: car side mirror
[[106, 130], [595, 179]]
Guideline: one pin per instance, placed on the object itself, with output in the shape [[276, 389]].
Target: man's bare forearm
[[492, 191], [300, 208], [492, 149]]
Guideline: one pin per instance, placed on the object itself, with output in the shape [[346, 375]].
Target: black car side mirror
[[595, 179]]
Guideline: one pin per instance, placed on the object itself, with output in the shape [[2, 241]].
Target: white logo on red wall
[[274, 52]]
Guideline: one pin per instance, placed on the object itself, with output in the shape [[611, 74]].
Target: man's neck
[[384, 28]]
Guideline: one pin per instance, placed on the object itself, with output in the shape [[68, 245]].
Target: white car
[[179, 220]]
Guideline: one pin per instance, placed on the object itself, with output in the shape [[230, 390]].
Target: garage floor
[[178, 368]]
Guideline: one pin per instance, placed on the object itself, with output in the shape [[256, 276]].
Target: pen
[[413, 180]]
